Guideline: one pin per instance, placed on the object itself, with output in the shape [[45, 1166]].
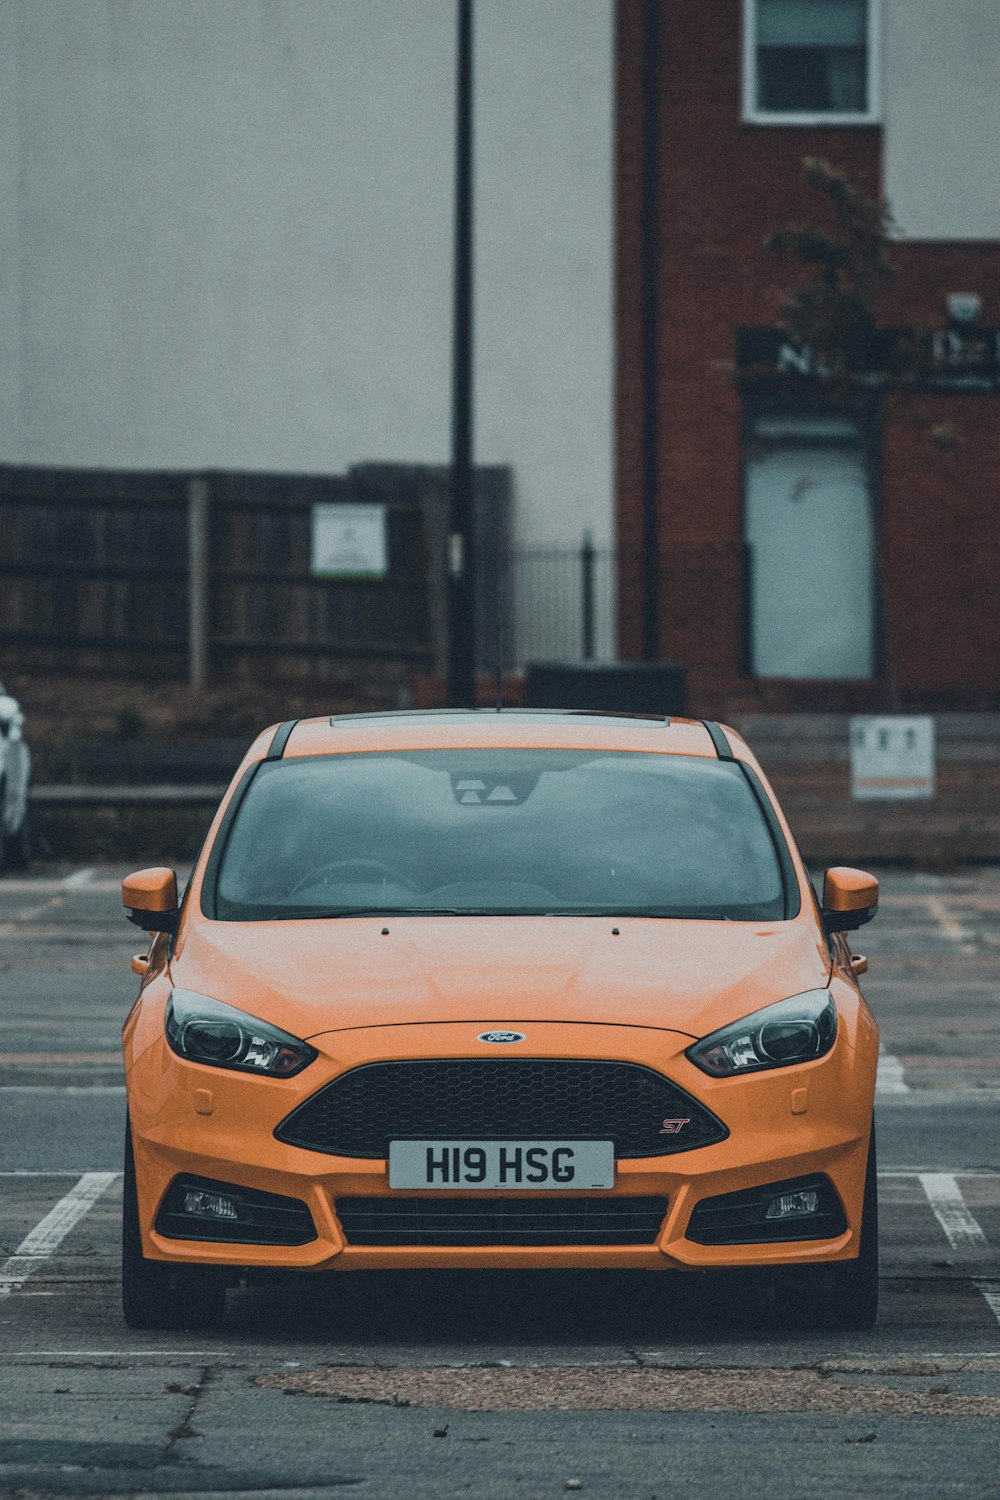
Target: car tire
[[843, 1297], [155, 1294], [853, 1300]]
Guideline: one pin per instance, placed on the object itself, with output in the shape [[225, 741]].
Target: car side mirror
[[150, 899], [10, 714], [850, 899]]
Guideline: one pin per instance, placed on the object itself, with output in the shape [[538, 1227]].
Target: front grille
[[501, 1221], [522, 1099]]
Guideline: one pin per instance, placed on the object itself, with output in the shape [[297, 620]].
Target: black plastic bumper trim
[[460, 1221], [738, 1218], [263, 1218]]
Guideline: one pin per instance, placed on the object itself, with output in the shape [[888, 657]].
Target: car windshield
[[499, 831]]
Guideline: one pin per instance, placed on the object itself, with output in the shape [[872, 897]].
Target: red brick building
[[811, 554]]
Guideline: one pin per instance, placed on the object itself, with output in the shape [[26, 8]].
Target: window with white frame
[[809, 60]]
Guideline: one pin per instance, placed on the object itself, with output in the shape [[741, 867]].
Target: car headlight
[[792, 1031], [207, 1031]]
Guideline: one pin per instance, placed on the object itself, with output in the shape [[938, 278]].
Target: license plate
[[551, 1165]]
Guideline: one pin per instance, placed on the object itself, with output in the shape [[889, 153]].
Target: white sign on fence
[[349, 541], [892, 757]]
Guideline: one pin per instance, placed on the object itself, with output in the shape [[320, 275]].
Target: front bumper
[[219, 1125]]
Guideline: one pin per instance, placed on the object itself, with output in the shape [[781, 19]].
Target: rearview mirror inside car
[[850, 899], [150, 899]]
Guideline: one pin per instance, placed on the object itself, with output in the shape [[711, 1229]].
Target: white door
[[812, 562]]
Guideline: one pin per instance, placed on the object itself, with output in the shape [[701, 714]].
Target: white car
[[15, 775]]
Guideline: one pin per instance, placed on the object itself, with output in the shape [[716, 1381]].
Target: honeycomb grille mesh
[[641, 1111]]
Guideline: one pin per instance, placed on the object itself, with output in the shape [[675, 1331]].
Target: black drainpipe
[[649, 294]]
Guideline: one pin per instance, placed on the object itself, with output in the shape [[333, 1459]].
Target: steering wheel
[[338, 871]]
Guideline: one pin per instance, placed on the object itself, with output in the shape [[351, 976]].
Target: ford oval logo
[[501, 1036]]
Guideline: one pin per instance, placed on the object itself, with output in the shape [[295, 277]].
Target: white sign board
[[349, 541], [892, 757]]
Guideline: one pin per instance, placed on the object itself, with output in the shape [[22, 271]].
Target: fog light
[[209, 1205], [793, 1205], [198, 1208], [799, 1208]]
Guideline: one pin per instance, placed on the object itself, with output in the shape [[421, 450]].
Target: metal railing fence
[[561, 601]]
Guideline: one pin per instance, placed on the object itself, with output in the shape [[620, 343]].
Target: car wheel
[[843, 1297], [853, 1302], [155, 1294]]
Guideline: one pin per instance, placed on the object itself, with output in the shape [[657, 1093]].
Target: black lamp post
[[649, 293], [460, 562]]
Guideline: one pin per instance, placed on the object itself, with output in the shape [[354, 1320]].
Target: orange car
[[518, 989]]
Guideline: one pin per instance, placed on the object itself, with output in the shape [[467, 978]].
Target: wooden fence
[[100, 569]]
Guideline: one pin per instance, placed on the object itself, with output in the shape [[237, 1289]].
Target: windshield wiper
[[660, 913], [298, 913], [666, 913]]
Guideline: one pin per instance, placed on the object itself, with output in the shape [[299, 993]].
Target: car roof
[[427, 729]]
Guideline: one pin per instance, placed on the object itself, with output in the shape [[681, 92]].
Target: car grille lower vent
[[743, 1218], [516, 1099], [501, 1221]]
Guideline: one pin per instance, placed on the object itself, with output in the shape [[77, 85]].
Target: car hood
[[318, 976]]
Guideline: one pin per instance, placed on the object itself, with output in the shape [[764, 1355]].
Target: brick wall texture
[[722, 186]]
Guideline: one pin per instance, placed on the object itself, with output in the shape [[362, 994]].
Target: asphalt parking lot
[[500, 1386]]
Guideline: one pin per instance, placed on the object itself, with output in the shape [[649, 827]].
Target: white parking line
[[950, 926], [9, 928], [58, 885], [79, 877], [174, 1354], [991, 1296], [945, 1197], [49, 1234], [890, 1078], [990, 1172], [51, 1172], [62, 1088]]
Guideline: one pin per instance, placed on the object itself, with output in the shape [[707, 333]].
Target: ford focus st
[[493, 990]]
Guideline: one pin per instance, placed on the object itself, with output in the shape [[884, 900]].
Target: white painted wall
[[226, 239], [941, 64]]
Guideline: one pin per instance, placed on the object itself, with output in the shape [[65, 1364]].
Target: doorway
[[811, 550]]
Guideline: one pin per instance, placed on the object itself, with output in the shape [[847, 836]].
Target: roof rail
[[723, 749], [277, 747], [400, 713], [510, 710]]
